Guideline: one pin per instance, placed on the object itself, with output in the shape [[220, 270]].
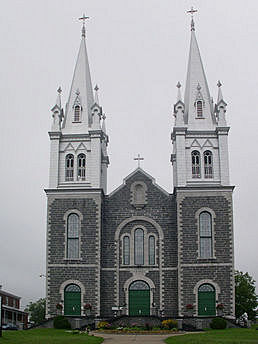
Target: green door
[[139, 299], [72, 300], [206, 300]]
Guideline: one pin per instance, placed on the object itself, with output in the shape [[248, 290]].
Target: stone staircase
[[127, 321]]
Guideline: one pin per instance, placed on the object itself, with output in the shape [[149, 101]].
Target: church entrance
[[206, 300], [72, 300], [139, 299]]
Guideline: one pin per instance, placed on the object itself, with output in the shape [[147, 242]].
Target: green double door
[[206, 303], [72, 303], [139, 302]]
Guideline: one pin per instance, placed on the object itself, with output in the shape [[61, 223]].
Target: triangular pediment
[[81, 146], [207, 143], [69, 147], [195, 143], [138, 171]]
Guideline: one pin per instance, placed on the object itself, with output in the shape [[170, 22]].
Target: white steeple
[[78, 157], [196, 89], [200, 133], [78, 117]]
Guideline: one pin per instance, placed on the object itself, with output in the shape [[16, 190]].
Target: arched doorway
[[206, 300], [139, 299], [72, 300]]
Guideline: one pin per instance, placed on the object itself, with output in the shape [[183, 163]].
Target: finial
[[179, 97], [59, 90], [198, 87], [220, 96], [96, 88], [77, 92], [83, 18], [192, 11]]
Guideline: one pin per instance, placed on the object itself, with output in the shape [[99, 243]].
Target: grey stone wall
[[85, 269], [219, 269]]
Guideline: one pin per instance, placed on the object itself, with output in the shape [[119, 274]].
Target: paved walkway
[[111, 338]]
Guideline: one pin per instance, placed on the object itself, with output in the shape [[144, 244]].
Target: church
[[140, 250]]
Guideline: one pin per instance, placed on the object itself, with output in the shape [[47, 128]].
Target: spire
[[196, 83], [57, 112], [81, 93], [221, 107], [103, 123], [220, 97], [96, 97], [179, 96]]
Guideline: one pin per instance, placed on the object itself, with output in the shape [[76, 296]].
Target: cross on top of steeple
[[192, 11], [83, 18]]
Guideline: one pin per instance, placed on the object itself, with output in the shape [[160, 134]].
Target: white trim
[[197, 217], [65, 217], [65, 284], [196, 288], [138, 277]]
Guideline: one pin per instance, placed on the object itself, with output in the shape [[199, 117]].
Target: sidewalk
[[111, 338]]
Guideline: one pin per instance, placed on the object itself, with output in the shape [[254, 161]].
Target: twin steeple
[[78, 134], [200, 151]]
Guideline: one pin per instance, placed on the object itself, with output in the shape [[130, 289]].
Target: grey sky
[[138, 51]]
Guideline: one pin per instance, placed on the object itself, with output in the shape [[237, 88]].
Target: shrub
[[218, 324], [169, 324], [148, 327], [103, 324], [61, 322]]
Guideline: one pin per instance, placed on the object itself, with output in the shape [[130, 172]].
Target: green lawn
[[47, 336], [228, 336]]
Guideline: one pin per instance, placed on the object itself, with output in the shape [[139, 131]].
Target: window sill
[[72, 259], [76, 121], [199, 117], [205, 259]]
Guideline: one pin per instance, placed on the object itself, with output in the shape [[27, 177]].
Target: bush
[[169, 324], [148, 327], [103, 324], [218, 324], [61, 322]]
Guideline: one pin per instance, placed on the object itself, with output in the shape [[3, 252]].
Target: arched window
[[126, 250], [206, 300], [196, 164], [73, 227], [139, 194], [205, 235], [199, 108], [138, 247], [151, 250], [81, 162], [77, 113], [69, 164], [208, 170]]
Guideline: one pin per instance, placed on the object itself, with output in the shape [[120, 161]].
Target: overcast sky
[[138, 51]]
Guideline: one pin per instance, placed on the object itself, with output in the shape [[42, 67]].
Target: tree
[[37, 311], [245, 295]]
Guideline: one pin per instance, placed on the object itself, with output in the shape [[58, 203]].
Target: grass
[[47, 336], [227, 336]]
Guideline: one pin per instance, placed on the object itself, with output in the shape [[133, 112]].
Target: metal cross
[[192, 11], [139, 159], [83, 18]]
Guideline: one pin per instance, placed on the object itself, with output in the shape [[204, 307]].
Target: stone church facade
[[140, 250]]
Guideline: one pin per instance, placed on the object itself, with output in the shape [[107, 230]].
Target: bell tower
[[77, 188], [78, 136], [203, 194]]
